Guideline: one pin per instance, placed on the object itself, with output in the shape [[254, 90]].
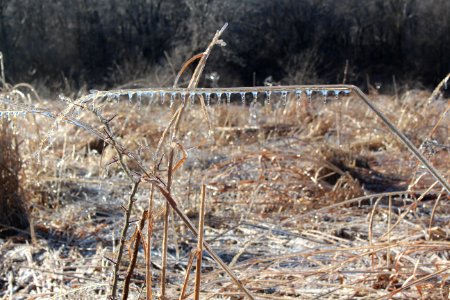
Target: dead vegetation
[[316, 200], [13, 204]]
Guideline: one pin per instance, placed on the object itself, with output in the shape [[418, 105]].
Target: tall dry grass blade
[[166, 226], [186, 277], [2, 71], [126, 283], [403, 139], [192, 228], [185, 66], [438, 89], [197, 74], [388, 254], [201, 222], [433, 212], [123, 236], [148, 254]]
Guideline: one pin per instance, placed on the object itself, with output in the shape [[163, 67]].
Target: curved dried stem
[[185, 66]]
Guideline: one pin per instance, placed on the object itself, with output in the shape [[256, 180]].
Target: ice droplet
[[228, 98], [268, 93], [284, 98], [298, 94], [243, 98]]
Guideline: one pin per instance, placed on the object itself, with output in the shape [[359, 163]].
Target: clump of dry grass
[[13, 205]]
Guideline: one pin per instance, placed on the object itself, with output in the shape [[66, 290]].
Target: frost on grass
[[305, 199]]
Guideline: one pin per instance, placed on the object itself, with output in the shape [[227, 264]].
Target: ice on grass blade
[[13, 114]]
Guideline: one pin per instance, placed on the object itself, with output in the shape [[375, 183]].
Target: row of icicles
[[220, 96], [171, 97]]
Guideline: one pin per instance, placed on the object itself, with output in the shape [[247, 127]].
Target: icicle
[[243, 98], [325, 94], [208, 99], [219, 98], [284, 98], [109, 96], [192, 97], [162, 97], [347, 92], [183, 98], [268, 93], [336, 94], [172, 98], [309, 93], [298, 94], [253, 113], [139, 97], [255, 96], [1, 114], [130, 96], [228, 98], [152, 97]]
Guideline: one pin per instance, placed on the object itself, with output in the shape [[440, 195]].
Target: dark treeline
[[103, 43]]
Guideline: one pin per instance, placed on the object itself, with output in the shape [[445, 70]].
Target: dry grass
[[303, 201], [13, 205]]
